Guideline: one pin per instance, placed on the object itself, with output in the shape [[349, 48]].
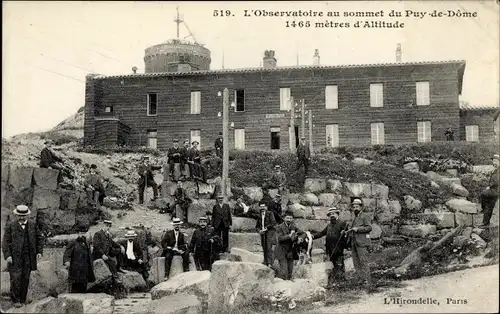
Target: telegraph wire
[[50, 71]]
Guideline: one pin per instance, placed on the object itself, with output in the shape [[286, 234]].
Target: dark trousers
[[142, 185], [169, 255], [219, 152], [134, 265], [113, 266], [223, 232], [197, 171], [78, 287], [303, 161], [171, 167], [184, 207], [488, 200], [267, 248], [286, 268], [338, 272], [203, 260], [19, 282]]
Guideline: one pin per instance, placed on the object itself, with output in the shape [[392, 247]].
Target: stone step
[[131, 302]]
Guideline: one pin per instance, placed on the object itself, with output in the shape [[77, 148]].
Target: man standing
[[335, 245], [105, 248], [303, 155], [287, 233], [174, 243], [175, 157], [22, 248], [219, 145], [132, 254], [182, 201], [489, 196], [78, 260], [449, 134], [359, 241], [222, 221], [266, 228], [146, 179], [205, 245], [94, 187], [194, 160], [184, 156], [276, 208]]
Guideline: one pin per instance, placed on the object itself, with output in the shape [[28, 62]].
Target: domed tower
[[177, 55]]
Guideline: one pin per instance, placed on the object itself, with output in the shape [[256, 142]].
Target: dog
[[304, 248]]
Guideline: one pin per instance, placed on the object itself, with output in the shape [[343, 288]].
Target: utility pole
[[310, 131], [225, 148], [292, 125], [303, 126]]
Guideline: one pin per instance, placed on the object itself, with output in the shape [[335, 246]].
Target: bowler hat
[[22, 210]]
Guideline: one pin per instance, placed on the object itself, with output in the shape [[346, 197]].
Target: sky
[[49, 47]]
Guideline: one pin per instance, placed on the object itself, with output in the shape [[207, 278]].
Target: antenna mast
[[178, 20]]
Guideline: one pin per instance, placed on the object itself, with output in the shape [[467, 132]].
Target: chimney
[[134, 69], [316, 57], [398, 53], [269, 59]]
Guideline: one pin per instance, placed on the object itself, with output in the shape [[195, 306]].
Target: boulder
[[247, 256], [80, 303], [321, 212], [417, 230], [242, 224], [247, 241], [316, 225], [361, 161], [46, 178], [387, 210], [376, 232], [317, 255], [294, 198], [434, 185], [302, 291], [46, 280], [20, 178], [57, 221], [46, 305], [229, 257], [45, 199], [314, 185], [5, 172], [441, 219], [133, 281], [411, 166], [369, 204], [453, 172], [253, 193], [412, 204], [168, 188], [191, 282], [461, 205], [205, 190], [334, 186], [480, 243], [298, 210], [236, 284], [449, 181], [380, 191], [157, 271], [68, 200], [163, 203], [459, 190], [358, 189], [191, 189], [195, 211], [309, 212], [180, 303], [329, 199], [101, 272], [317, 273], [309, 199], [464, 219]]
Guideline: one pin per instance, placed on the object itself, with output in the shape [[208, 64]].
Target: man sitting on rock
[[94, 188], [146, 179], [489, 196], [336, 242], [78, 260], [174, 243], [182, 201], [131, 257], [194, 159], [48, 159], [205, 245], [288, 234], [243, 210], [266, 224]]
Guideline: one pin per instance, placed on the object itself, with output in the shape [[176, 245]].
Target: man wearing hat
[[146, 178], [175, 243], [131, 256], [303, 155], [276, 208], [335, 244], [105, 248], [194, 160], [358, 237], [266, 224], [94, 187], [22, 248], [288, 235], [489, 196], [222, 221], [175, 156], [205, 245], [219, 145], [48, 159], [278, 179], [78, 259]]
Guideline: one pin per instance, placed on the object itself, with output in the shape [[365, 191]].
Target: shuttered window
[[332, 135], [423, 131], [331, 97], [378, 134], [376, 95], [472, 133], [195, 102], [423, 97], [285, 95], [239, 138]]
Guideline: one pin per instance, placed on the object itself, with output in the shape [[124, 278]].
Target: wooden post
[[310, 131], [225, 149], [303, 126], [292, 125]]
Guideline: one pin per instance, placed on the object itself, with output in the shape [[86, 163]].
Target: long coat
[[13, 239], [221, 215], [81, 268], [284, 249], [269, 223], [103, 244], [335, 241], [361, 237], [200, 241], [169, 241]]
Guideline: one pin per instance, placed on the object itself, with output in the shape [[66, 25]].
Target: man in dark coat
[[174, 243], [184, 156], [449, 134], [22, 247], [276, 208], [194, 160], [205, 245], [303, 155], [78, 260], [182, 201], [358, 237], [489, 196], [106, 249], [48, 159], [145, 171], [175, 156], [288, 235], [266, 198], [222, 221], [335, 244], [131, 257], [94, 187], [266, 227], [219, 145]]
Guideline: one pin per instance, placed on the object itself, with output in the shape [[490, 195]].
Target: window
[[196, 136], [239, 98], [275, 138], [195, 102], [285, 95], [108, 109], [423, 131], [152, 104], [472, 133], [376, 95], [378, 134], [332, 135], [152, 138], [423, 94], [239, 138], [331, 97]]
